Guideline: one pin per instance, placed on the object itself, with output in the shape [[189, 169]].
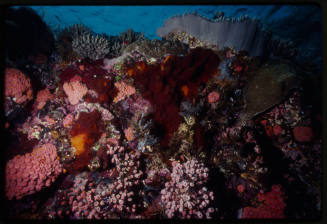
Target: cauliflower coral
[[18, 86]]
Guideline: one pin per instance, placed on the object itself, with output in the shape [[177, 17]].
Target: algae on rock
[[267, 87]]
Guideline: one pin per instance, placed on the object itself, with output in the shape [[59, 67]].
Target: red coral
[[97, 79], [68, 74], [17, 85], [31, 172], [272, 207], [165, 85], [277, 130], [303, 134], [90, 127]]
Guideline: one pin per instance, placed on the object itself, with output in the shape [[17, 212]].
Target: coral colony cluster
[[185, 127]]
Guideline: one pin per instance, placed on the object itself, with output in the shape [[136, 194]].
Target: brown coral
[[86, 130]]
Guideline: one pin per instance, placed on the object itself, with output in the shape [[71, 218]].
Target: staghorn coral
[[120, 42], [64, 40], [90, 46], [31, 172]]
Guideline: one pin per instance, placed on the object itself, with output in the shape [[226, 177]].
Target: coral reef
[[205, 123]]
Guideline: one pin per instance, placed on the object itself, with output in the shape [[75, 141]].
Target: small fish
[[273, 11], [10, 22], [240, 10], [58, 18], [73, 10]]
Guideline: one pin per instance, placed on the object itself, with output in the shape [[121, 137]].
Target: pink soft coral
[[42, 97], [18, 86], [75, 91], [124, 91]]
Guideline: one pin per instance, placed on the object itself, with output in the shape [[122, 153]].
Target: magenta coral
[[75, 91], [124, 91], [31, 172], [42, 97], [18, 86], [185, 196]]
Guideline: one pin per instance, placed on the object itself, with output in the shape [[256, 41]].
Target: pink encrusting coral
[[42, 97], [31, 172], [18, 86], [75, 91], [185, 196], [272, 205], [124, 91]]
